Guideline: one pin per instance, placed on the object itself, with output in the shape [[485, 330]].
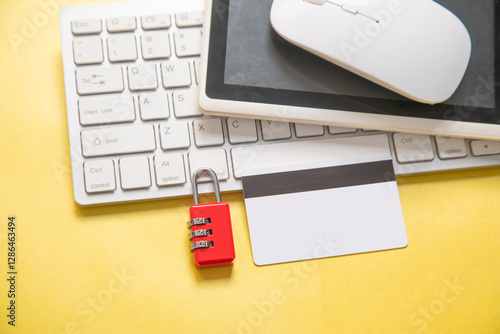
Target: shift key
[[118, 140]]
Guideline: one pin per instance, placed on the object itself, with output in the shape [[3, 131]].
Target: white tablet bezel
[[234, 108]]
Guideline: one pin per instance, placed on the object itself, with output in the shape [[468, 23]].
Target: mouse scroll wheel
[[355, 11], [349, 9], [345, 8]]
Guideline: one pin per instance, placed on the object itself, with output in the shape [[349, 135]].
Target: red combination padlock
[[210, 225]]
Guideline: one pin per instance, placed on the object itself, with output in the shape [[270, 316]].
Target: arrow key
[[484, 147]]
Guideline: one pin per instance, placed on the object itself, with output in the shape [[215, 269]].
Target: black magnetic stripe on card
[[318, 179]]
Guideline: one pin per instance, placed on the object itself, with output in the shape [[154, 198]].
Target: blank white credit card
[[323, 209]]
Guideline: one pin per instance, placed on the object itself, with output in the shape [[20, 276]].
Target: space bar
[[119, 140], [307, 151]]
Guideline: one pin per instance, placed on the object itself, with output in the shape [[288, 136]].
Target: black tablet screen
[[250, 62]]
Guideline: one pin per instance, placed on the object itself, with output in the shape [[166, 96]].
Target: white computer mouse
[[416, 48]]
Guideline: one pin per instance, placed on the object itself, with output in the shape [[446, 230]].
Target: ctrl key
[[99, 176]]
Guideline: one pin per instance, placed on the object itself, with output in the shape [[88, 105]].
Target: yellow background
[[127, 268]]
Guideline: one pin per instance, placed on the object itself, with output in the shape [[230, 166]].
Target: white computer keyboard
[[131, 72]]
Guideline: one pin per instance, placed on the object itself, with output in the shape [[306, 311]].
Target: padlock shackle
[[215, 181]]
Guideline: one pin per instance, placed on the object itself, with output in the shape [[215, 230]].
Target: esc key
[[86, 26]]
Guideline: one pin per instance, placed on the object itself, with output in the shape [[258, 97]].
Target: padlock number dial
[[216, 247]]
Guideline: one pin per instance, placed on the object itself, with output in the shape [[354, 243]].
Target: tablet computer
[[247, 70]]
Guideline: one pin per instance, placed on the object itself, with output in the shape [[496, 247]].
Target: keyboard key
[[413, 147], [155, 21], [176, 74], [87, 50], [174, 135], [99, 79], [106, 109], [185, 104], [308, 130], [119, 140], [86, 26], [334, 130], [484, 147], [155, 45], [241, 130], [99, 176], [189, 19], [153, 106], [215, 159], [142, 77], [197, 70], [169, 169], [208, 132], [121, 24], [187, 43], [273, 130], [284, 153], [134, 173], [450, 147], [122, 48]]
